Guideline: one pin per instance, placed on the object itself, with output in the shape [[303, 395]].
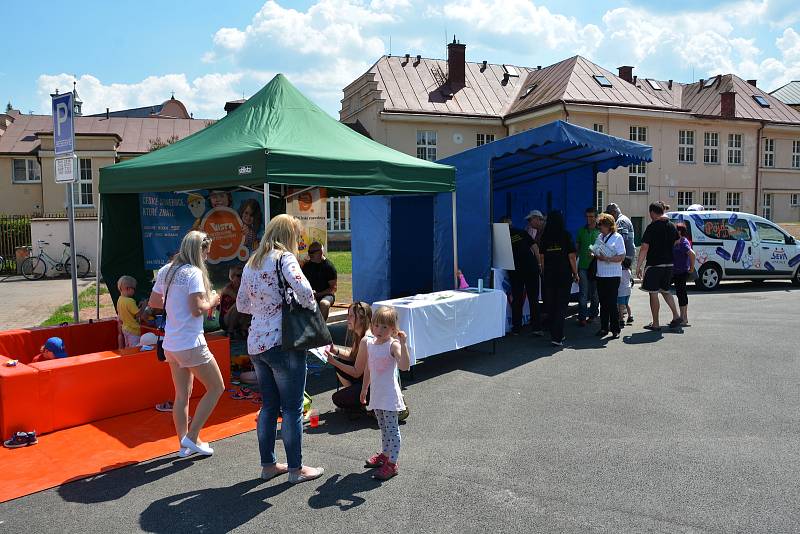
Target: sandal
[[256, 398], [675, 323], [653, 328], [244, 392], [164, 406]]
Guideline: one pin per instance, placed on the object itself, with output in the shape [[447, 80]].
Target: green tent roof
[[280, 137]]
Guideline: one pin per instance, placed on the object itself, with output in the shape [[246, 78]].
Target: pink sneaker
[[377, 460], [386, 471]]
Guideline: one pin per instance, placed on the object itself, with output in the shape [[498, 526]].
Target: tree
[[157, 143]]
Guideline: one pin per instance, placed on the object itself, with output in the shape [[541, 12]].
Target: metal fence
[[15, 231]]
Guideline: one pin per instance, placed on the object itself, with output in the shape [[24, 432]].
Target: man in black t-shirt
[[524, 278], [322, 276], [657, 242]]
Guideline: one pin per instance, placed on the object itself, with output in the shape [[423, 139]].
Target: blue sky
[[128, 54]]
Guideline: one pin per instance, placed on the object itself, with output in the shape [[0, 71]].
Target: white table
[[449, 320]]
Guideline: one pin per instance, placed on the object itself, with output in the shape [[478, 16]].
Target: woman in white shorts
[[188, 292]]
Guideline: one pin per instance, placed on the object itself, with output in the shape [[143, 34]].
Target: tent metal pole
[[267, 215], [99, 251], [455, 240]]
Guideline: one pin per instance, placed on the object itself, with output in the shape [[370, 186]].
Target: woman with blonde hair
[[609, 251], [183, 290], [281, 374]]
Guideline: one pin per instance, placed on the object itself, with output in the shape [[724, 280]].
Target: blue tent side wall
[[370, 219]]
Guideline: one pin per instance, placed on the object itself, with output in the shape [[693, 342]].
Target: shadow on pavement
[[210, 510], [341, 492], [116, 481]]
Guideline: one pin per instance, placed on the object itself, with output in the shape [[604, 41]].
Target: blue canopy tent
[[551, 167]]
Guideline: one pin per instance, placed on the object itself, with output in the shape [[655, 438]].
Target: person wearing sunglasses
[[322, 275]]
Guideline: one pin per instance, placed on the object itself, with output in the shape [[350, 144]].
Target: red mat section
[[86, 450]]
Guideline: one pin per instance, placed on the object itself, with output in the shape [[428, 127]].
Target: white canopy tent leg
[[455, 241], [267, 215], [99, 251]]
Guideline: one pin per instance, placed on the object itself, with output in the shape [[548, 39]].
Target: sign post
[[66, 173]]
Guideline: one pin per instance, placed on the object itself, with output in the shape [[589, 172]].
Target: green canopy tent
[[277, 137]]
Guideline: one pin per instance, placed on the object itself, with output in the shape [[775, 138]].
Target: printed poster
[[311, 207], [233, 220]]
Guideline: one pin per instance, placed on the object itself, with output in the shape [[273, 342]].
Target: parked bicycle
[[35, 267]]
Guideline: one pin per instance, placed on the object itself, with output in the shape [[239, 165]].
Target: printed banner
[[311, 207], [233, 220]]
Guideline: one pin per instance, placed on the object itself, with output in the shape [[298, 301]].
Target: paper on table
[[319, 352]]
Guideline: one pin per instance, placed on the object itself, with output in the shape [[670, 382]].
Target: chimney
[[752, 82], [626, 73], [483, 65], [669, 84], [456, 64], [728, 104], [108, 113], [408, 58]]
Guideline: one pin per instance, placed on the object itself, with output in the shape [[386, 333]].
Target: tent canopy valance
[[278, 137]]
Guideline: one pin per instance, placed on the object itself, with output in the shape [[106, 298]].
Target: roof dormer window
[[602, 81], [511, 71], [761, 101], [654, 84], [528, 90], [709, 82]]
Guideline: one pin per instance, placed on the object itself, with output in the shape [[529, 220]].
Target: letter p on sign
[[62, 114]]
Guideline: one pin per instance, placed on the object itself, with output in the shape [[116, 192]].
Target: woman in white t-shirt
[[184, 282], [609, 250]]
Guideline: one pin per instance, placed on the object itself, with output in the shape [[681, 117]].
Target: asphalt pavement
[[690, 431], [27, 303]]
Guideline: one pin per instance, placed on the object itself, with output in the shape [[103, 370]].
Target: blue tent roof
[[555, 148]]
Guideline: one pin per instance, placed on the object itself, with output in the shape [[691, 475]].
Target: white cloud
[[204, 96], [521, 18], [230, 38]]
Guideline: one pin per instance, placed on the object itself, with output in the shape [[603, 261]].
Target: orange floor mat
[[86, 450]]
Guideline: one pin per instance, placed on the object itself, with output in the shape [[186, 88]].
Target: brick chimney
[[626, 73], [753, 82], [456, 64], [728, 104]]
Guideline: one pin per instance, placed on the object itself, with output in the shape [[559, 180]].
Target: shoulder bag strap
[[168, 283]]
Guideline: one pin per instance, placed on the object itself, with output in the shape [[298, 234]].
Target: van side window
[[722, 229], [769, 233]]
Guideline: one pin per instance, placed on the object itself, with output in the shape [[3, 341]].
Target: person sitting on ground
[[128, 312], [52, 349], [322, 275], [350, 362], [231, 319]]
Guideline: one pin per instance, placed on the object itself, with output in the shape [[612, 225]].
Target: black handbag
[[302, 329], [160, 341]]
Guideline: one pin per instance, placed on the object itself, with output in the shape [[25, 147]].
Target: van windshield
[[723, 229]]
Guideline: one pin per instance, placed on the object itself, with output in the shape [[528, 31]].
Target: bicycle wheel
[[33, 268], [82, 263]]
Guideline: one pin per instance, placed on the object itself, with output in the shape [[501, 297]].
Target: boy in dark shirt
[[656, 250], [322, 276]]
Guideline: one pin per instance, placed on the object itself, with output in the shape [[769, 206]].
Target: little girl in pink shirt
[[386, 352]]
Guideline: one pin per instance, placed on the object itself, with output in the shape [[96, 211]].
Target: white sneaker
[[185, 453], [203, 449], [295, 477]]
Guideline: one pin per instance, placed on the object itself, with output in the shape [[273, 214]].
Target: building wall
[[56, 233], [17, 198]]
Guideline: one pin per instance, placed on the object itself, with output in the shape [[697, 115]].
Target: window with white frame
[[597, 127], [711, 147], [338, 214], [794, 200], [766, 208], [82, 193], [733, 201], [796, 154], [710, 200], [637, 178], [482, 139], [686, 146], [426, 144], [639, 133], [26, 171], [769, 152], [685, 199], [735, 149], [600, 201]]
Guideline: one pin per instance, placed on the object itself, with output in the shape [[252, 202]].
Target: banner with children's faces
[[310, 206], [233, 220]]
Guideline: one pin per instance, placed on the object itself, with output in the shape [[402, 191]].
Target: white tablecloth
[[449, 320]]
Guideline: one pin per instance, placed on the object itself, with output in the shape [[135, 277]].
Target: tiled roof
[[136, 133], [789, 93], [417, 86], [572, 80]]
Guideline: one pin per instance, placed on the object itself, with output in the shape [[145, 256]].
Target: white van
[[739, 246]]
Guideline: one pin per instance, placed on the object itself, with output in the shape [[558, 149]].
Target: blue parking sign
[[63, 125]]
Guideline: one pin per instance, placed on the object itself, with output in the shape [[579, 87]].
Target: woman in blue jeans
[[281, 374]]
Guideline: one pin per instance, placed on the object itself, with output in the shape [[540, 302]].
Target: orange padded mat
[[86, 450]]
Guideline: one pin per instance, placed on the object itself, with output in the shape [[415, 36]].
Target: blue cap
[[56, 346]]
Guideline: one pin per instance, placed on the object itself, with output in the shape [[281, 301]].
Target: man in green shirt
[[588, 294]]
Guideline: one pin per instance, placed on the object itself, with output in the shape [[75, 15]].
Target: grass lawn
[[86, 299], [343, 261]]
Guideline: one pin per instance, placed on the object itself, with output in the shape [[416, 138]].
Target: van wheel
[[796, 278], [709, 277]]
